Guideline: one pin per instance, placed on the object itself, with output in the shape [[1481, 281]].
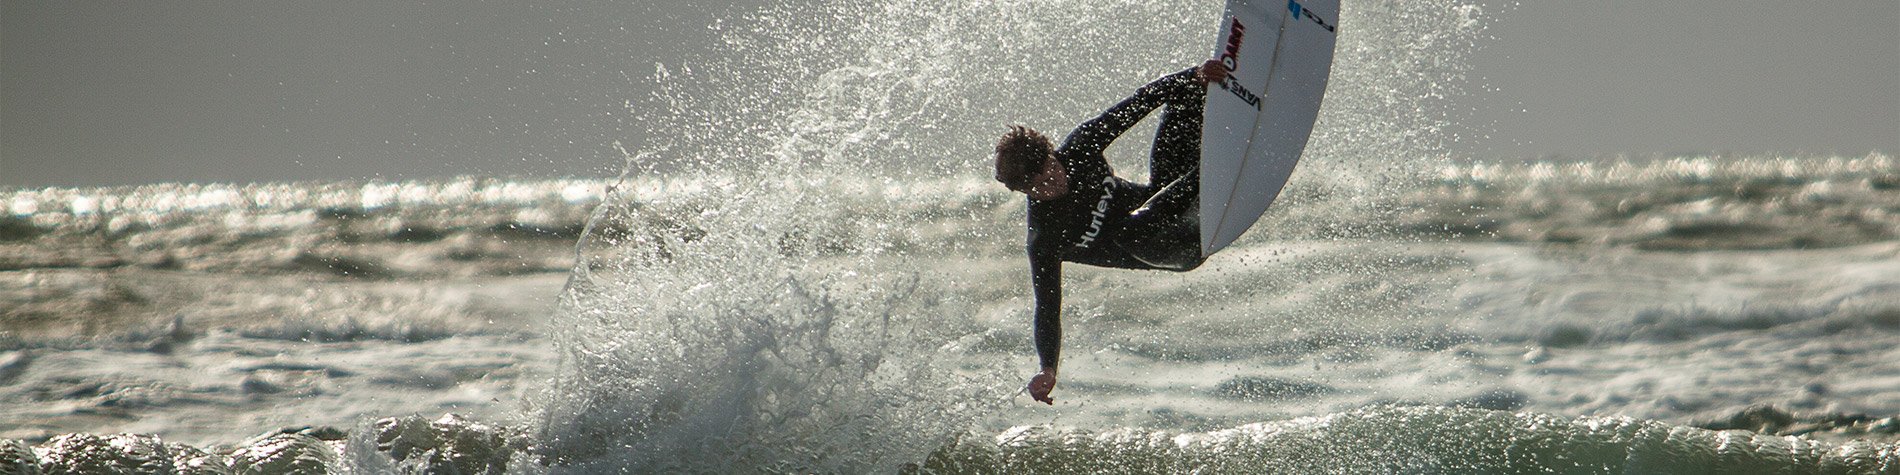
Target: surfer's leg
[[1165, 232], [1177, 147], [1175, 167], [1177, 200]]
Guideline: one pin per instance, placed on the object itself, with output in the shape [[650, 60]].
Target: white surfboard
[[1278, 56]]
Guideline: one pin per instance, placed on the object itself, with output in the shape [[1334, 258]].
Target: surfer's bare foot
[[1042, 384]]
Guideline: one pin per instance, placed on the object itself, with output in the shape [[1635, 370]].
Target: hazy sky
[[123, 92], [1590, 78]]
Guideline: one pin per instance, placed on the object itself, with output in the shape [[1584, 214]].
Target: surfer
[[1079, 211]]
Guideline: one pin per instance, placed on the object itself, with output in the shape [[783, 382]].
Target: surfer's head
[[1025, 163]]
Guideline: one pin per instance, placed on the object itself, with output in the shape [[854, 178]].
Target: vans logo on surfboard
[[1232, 84]]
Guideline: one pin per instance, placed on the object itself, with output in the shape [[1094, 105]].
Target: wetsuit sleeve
[[1092, 137], [1045, 268]]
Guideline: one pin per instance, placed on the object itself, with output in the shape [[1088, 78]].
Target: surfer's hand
[[1042, 384], [1211, 72]]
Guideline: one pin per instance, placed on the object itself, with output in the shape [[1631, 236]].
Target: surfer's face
[[1050, 183]]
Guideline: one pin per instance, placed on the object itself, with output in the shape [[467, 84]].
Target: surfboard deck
[[1279, 55]]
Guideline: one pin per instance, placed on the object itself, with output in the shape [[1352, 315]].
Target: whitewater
[[807, 269]]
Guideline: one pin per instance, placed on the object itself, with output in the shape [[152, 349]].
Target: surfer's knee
[[1190, 265], [1182, 260]]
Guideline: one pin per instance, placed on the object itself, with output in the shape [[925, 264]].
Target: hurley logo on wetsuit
[[1101, 211]]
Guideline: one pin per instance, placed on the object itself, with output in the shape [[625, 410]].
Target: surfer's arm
[[1092, 137], [1045, 269]]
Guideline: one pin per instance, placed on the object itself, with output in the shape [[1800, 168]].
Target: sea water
[[808, 270], [1503, 316]]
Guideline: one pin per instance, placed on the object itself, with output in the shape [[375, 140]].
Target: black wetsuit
[[1110, 222]]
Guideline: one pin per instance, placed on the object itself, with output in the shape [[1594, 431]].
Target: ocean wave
[[1414, 440], [1678, 204], [485, 226], [1680, 324], [1684, 198], [1384, 439], [354, 230]]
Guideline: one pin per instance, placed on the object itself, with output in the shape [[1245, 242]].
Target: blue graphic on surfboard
[[1279, 55]]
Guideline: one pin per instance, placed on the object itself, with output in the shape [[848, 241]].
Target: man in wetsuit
[[1079, 211]]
